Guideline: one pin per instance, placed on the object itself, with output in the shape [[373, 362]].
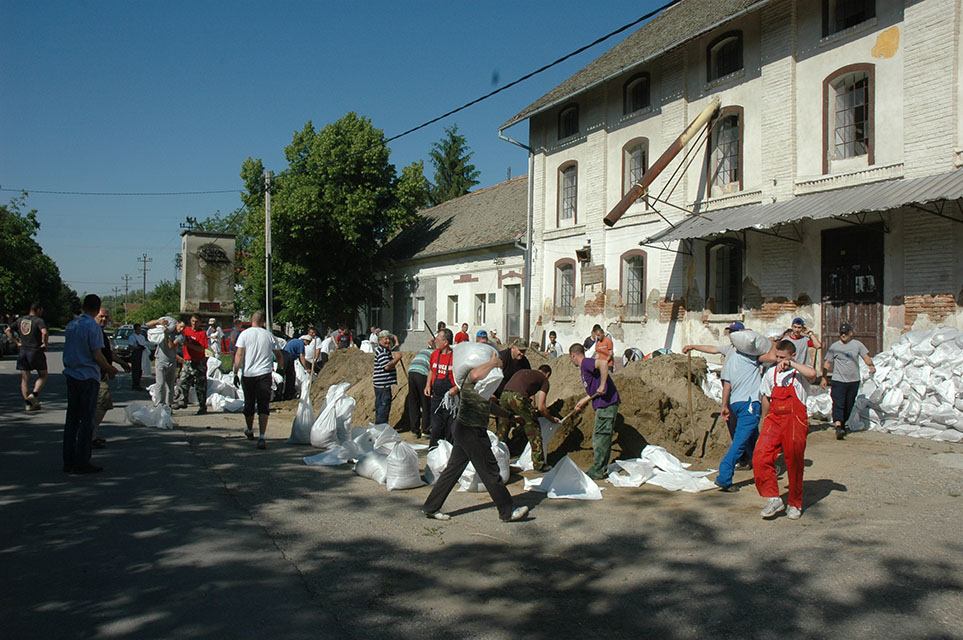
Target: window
[[567, 192], [725, 153], [452, 311], [848, 114], [480, 309], [635, 94], [632, 283], [724, 264], [724, 56], [839, 15], [415, 313], [635, 161], [564, 286], [513, 310], [568, 122]]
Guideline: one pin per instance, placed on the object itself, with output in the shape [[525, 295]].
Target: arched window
[[635, 94], [725, 153], [839, 15], [568, 122], [724, 275], [848, 96], [567, 193], [564, 287], [632, 282], [635, 162], [724, 55]]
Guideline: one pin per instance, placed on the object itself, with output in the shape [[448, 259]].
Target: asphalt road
[[193, 532]]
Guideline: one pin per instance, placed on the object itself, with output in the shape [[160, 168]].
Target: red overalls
[[786, 425]]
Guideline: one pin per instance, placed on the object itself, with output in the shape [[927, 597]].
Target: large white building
[[828, 185]]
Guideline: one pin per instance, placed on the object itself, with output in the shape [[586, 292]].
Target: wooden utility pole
[[145, 260], [268, 295], [127, 279]]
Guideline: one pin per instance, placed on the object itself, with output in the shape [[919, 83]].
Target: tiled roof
[[483, 218], [669, 29]]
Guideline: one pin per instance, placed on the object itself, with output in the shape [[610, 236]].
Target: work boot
[[840, 432]]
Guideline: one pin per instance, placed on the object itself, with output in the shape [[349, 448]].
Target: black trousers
[[136, 371], [290, 378], [442, 422], [844, 399], [419, 405], [471, 445]]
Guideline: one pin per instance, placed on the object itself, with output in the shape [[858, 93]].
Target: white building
[[828, 186], [461, 263]]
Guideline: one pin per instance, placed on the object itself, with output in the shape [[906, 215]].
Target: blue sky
[[173, 96]]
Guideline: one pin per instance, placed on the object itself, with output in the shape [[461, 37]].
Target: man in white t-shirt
[[785, 425], [255, 346]]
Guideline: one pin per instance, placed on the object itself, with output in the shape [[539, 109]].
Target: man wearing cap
[[214, 336], [515, 361], [803, 338], [385, 376], [294, 351], [482, 336], [524, 393], [842, 369]]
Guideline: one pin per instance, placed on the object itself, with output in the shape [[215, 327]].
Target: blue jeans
[[79, 426], [382, 404], [743, 440]]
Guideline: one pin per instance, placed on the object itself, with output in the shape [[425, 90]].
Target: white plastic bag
[[637, 472], [219, 402], [469, 480], [487, 385], [891, 402], [549, 428], [149, 416], [565, 480], [374, 466], [367, 347], [323, 432], [437, 460], [402, 470], [468, 355], [213, 365], [301, 427], [385, 438], [155, 335], [750, 342]]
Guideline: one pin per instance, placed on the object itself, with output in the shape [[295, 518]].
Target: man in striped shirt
[[385, 376]]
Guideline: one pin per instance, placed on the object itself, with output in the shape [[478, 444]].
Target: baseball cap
[[481, 334], [520, 344], [799, 321], [212, 321], [736, 326], [845, 328]]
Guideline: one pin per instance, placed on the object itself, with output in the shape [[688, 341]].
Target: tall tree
[[454, 173], [334, 206]]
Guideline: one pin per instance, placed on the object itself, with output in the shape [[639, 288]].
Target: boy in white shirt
[[785, 425]]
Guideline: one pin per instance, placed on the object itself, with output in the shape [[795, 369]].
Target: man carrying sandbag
[[526, 391], [255, 347], [605, 400], [471, 444]]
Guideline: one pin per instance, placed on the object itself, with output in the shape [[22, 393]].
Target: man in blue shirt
[[293, 351], [83, 362]]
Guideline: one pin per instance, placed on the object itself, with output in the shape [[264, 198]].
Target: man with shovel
[[524, 393]]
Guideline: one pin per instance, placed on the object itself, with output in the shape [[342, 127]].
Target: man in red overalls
[[785, 425]]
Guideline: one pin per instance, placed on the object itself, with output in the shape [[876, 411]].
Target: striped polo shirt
[[382, 378]]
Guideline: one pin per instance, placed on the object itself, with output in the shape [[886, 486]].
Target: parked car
[[7, 346], [118, 341]]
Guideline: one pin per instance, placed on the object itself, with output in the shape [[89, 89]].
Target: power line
[[384, 142]]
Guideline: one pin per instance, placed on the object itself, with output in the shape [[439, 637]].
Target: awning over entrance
[[774, 218]]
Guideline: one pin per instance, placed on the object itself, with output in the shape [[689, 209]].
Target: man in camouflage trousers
[[523, 394]]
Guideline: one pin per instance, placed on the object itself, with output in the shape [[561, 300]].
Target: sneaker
[[261, 444], [729, 488], [773, 506], [29, 407], [743, 466], [793, 513], [438, 515], [32, 400], [249, 433], [517, 514], [840, 433]]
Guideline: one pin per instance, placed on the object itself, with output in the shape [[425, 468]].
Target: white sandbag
[[910, 411], [437, 460], [891, 402], [300, 373], [468, 355], [674, 475], [636, 473], [156, 335], [213, 364], [487, 385], [367, 347], [154, 391], [750, 342], [565, 480], [469, 480], [913, 338], [903, 351], [820, 406], [590, 352], [303, 419], [219, 402], [924, 348], [950, 435], [374, 466], [774, 333], [219, 386], [549, 428], [385, 438], [276, 380], [337, 397], [336, 455], [946, 334], [322, 433], [945, 391], [149, 416], [403, 470]]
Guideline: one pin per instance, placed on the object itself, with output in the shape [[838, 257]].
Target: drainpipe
[[527, 280]]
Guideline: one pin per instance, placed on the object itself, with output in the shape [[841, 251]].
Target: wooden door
[[852, 284], [513, 311]]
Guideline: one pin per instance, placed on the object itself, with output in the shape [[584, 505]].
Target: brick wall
[[929, 256], [671, 310], [937, 307], [778, 81]]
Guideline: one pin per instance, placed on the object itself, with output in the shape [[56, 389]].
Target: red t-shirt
[[441, 365], [194, 344], [461, 336]]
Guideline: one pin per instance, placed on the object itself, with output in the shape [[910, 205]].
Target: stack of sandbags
[[917, 390]]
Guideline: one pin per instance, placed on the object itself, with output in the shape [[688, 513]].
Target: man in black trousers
[[472, 445]]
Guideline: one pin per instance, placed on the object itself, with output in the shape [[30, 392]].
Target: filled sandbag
[[750, 342], [303, 419], [218, 402], [469, 480], [374, 466], [149, 416], [402, 472], [437, 460], [468, 355], [156, 335]]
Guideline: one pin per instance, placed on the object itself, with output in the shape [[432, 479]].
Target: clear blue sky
[[173, 96]]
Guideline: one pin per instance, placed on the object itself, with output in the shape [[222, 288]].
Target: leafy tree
[[334, 206], [163, 300], [454, 173]]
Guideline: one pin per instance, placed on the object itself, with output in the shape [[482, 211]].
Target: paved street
[[194, 533]]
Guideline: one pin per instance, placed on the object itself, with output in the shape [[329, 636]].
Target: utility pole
[[145, 260], [127, 279], [268, 295]]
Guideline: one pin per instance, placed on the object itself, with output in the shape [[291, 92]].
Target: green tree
[[163, 300], [335, 205], [454, 173]]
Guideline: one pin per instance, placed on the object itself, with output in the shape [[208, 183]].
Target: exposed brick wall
[[671, 310], [937, 307], [772, 309]]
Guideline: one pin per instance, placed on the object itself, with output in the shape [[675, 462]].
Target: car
[[119, 344], [7, 346]]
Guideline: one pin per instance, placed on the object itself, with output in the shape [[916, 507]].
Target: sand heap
[[653, 411]]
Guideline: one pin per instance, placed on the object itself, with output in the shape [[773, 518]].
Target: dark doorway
[[852, 284]]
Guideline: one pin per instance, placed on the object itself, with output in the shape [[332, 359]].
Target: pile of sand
[[654, 407]]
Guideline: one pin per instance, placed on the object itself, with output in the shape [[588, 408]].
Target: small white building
[[827, 185], [461, 263]]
